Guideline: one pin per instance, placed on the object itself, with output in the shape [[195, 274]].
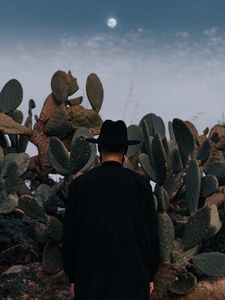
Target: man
[[110, 229]]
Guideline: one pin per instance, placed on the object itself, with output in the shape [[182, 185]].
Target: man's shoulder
[[98, 173], [140, 178], [85, 176]]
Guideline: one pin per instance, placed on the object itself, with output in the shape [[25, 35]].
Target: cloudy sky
[[164, 56]]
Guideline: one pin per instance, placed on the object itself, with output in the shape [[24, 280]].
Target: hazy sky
[[165, 56]]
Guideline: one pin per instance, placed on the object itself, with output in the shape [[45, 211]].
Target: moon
[[112, 22]]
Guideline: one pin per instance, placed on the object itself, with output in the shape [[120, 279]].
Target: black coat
[[110, 244]]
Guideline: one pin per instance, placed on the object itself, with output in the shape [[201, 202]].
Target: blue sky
[[42, 17], [165, 56]]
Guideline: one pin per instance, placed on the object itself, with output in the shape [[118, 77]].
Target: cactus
[[75, 101], [58, 156], [81, 117], [52, 258], [193, 184], [95, 91], [185, 140], [9, 126], [211, 263], [177, 165], [184, 284], [54, 229], [84, 132], [134, 133], [217, 169], [166, 236], [159, 159], [79, 155], [11, 167], [204, 151], [23, 139], [202, 225], [60, 123], [147, 122], [9, 204], [63, 85], [155, 125], [147, 145], [21, 160], [64, 163], [31, 208], [147, 166], [171, 132], [209, 186], [17, 116], [162, 199], [11, 96], [220, 145]]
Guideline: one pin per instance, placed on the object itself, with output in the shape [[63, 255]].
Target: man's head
[[112, 152], [113, 140]]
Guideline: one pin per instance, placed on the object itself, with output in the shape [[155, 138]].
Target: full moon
[[112, 22]]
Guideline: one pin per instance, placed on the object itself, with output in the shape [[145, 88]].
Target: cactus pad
[[11, 96], [210, 263], [220, 145], [147, 121], [185, 283], [147, 145], [31, 208], [54, 229], [162, 199], [76, 101], [166, 236], [79, 155], [63, 85], [159, 159], [134, 133], [8, 205], [81, 117], [58, 156], [204, 151], [184, 139], [193, 184], [202, 225], [171, 132], [52, 258], [22, 161], [9, 126], [84, 132], [95, 91], [60, 123], [209, 185], [147, 166], [17, 116], [159, 127], [217, 169]]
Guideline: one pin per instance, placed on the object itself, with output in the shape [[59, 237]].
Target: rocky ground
[[29, 282]]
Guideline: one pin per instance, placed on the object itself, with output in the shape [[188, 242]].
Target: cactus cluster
[[188, 171], [29, 199]]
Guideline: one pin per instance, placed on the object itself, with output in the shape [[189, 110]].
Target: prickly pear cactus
[[11, 96], [95, 91], [65, 163]]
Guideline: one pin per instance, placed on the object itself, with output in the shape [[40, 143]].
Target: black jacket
[[110, 243]]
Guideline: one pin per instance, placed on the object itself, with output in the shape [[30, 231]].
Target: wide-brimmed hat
[[113, 133]]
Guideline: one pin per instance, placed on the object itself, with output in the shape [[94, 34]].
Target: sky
[[164, 56]]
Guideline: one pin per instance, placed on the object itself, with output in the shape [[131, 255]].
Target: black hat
[[113, 133]]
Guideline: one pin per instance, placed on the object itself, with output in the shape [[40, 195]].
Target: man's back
[[110, 234]]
